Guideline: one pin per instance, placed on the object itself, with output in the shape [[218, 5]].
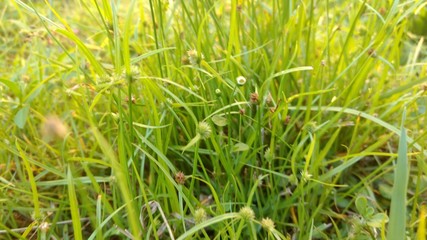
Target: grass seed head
[[269, 154], [44, 227], [306, 176], [134, 72], [200, 215], [194, 57], [180, 178], [247, 213], [268, 99], [310, 127], [204, 130], [372, 53], [242, 111], [267, 224], [287, 120], [254, 97]]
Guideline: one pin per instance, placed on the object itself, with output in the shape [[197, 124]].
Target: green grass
[[212, 119]]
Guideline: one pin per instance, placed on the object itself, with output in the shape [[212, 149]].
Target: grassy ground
[[212, 119]]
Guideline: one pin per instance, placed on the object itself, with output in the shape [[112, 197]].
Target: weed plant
[[212, 119]]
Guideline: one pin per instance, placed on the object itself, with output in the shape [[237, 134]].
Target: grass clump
[[212, 119]]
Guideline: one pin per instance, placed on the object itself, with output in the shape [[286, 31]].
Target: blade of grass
[[30, 9], [89, 55], [421, 233], [366, 116], [74, 206], [214, 220], [31, 180], [397, 225], [121, 180]]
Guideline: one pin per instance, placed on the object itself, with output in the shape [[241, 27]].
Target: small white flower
[[218, 91], [241, 80]]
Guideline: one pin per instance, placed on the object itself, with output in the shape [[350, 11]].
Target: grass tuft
[[213, 119]]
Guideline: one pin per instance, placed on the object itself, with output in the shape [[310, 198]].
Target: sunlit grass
[[212, 119]]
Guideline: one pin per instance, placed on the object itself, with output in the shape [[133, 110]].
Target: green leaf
[[369, 212], [377, 220], [422, 103], [240, 147], [21, 116], [361, 204], [33, 94], [219, 120], [13, 86], [385, 190]]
